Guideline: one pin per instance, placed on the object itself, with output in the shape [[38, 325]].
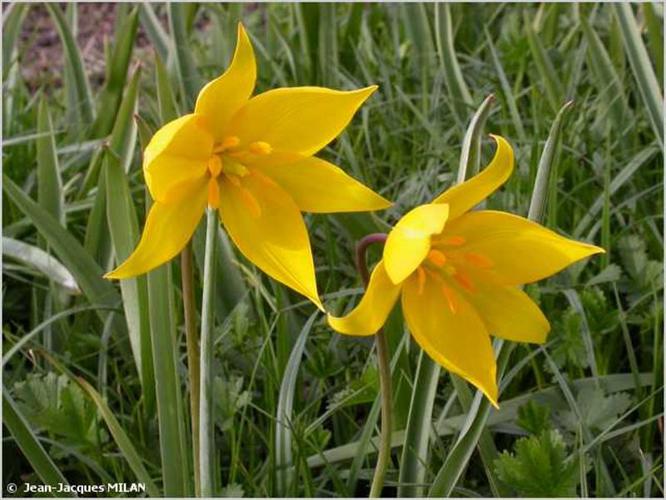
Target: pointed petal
[[408, 243], [465, 196], [219, 100], [456, 339], [520, 251], [267, 227], [298, 120], [320, 187], [371, 313], [178, 153], [509, 313], [167, 230]]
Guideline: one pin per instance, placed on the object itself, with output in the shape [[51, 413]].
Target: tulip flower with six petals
[[458, 274], [252, 159]]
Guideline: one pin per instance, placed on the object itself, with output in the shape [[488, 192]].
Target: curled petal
[[450, 331], [267, 227], [320, 187], [298, 120], [371, 313], [408, 242], [177, 154], [465, 196], [169, 226], [219, 100], [520, 251]]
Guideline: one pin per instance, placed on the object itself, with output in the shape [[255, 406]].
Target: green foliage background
[[80, 396]]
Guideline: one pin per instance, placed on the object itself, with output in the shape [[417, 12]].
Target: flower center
[[227, 161], [448, 263]]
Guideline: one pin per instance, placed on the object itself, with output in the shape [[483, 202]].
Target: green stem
[[189, 307], [206, 436], [384, 362]]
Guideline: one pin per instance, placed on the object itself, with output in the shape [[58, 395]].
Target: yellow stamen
[[450, 298], [464, 281], [260, 148], [214, 166], [454, 241], [437, 257], [213, 193], [479, 260], [421, 277], [232, 167], [230, 141]]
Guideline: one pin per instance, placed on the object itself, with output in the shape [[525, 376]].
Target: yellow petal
[[507, 311], [408, 242], [320, 187], [520, 251], [298, 120], [267, 227], [219, 100], [465, 196], [177, 154], [454, 337], [168, 229], [371, 313]]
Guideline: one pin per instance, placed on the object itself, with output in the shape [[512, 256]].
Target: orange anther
[[464, 281], [214, 166], [230, 141], [260, 148], [479, 260], [450, 298], [213, 193], [454, 241], [421, 277], [437, 257]]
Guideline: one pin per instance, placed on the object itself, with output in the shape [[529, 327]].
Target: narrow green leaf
[[607, 79], [74, 61], [32, 449], [283, 422], [455, 82], [70, 252], [109, 99], [655, 32], [153, 27], [12, 20], [186, 68], [37, 258], [642, 69], [545, 177], [170, 411], [549, 77], [166, 100], [49, 183]]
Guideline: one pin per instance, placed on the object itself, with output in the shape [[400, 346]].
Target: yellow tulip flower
[[252, 159], [458, 274]]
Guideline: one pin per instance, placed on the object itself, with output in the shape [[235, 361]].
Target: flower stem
[[192, 340], [384, 364], [206, 444]]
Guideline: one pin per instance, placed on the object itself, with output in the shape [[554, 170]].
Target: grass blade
[[641, 67], [37, 258], [75, 63], [49, 184], [32, 449], [551, 81], [110, 97], [285, 408], [171, 421], [186, 68], [455, 82], [70, 252]]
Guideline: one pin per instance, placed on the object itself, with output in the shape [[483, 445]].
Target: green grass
[[95, 384]]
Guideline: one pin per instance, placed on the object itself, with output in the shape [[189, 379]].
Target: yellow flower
[[252, 159], [458, 273]]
